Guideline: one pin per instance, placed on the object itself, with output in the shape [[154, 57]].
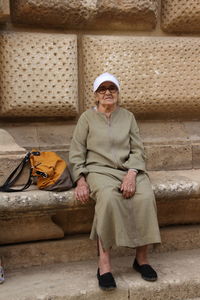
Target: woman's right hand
[[82, 190]]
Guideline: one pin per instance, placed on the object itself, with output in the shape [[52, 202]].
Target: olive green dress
[[103, 150]]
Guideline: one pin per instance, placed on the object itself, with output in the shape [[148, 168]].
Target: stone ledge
[[178, 279], [177, 195], [79, 247], [166, 184]]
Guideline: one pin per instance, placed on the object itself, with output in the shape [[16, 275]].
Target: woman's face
[[107, 94]]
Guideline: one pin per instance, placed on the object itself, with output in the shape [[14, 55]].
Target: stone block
[[56, 136], [192, 129], [178, 238], [80, 247], [25, 135], [180, 16], [76, 220], [155, 73], [8, 164], [31, 228], [38, 75], [11, 154], [165, 132], [168, 157], [181, 211], [196, 156], [4, 11], [90, 14]]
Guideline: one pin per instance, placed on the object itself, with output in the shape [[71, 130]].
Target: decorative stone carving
[[90, 14], [180, 16], [155, 73], [38, 74]]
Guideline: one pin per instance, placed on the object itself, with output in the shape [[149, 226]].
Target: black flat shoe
[[146, 271], [106, 281]]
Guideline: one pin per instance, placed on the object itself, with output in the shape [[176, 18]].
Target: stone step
[[178, 273], [79, 247]]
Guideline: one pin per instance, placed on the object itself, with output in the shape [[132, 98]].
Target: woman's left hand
[[129, 184]]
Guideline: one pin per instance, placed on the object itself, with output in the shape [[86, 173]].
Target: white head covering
[[105, 77]]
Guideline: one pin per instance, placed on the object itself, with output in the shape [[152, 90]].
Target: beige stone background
[[51, 52]]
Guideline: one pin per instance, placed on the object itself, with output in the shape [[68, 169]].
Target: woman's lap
[[124, 222]]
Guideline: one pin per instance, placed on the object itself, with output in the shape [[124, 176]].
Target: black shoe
[[146, 271], [106, 281]]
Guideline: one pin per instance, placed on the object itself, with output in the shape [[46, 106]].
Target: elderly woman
[[107, 160]]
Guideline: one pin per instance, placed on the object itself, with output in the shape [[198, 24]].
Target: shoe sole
[[108, 288], [149, 279]]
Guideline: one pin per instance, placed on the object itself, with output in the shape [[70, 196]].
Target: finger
[[85, 197]]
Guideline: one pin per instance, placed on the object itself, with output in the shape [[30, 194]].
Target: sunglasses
[[112, 89]]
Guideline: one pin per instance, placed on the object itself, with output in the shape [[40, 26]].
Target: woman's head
[[106, 89]]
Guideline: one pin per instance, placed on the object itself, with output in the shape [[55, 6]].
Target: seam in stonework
[[129, 294]]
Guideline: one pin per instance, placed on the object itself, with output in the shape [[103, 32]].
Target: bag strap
[[12, 178]]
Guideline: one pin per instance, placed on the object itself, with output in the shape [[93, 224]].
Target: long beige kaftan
[[103, 149]]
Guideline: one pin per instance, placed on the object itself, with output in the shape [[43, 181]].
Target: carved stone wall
[[181, 15], [38, 74], [155, 73], [50, 54], [95, 14]]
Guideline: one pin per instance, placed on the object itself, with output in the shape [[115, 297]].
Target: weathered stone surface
[[180, 16], [11, 155], [90, 14], [166, 132], [182, 211], [164, 157], [8, 164], [177, 195], [8, 145], [38, 75], [182, 184], [155, 73], [4, 11], [35, 201], [163, 140], [178, 238], [66, 281], [196, 156], [29, 229], [76, 220], [80, 247]]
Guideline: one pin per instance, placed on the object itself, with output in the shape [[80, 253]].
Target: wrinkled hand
[[129, 184], [82, 190]]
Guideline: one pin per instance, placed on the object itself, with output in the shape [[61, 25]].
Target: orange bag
[[51, 171]]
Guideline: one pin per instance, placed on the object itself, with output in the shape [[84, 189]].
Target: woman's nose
[[108, 91]]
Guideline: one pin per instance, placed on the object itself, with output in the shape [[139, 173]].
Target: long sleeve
[[136, 158], [78, 149]]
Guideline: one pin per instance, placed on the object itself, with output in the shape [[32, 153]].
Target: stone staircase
[[66, 269], [47, 256], [178, 279]]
